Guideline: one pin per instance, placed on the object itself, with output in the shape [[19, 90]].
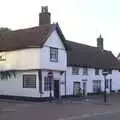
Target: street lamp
[[105, 73]]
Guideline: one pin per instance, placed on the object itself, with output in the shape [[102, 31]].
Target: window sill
[[75, 74], [85, 74], [53, 61], [28, 88]]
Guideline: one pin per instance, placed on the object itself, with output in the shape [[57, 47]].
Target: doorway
[[110, 85], [76, 88], [56, 89], [84, 88]]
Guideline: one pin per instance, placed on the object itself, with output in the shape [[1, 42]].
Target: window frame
[[47, 84], [85, 71], [110, 71], [97, 71], [96, 85], [28, 84], [55, 54], [73, 72]]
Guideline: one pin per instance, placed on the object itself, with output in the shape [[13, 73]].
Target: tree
[[4, 29]]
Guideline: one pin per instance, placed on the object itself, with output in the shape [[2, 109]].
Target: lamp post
[[105, 73], [50, 77]]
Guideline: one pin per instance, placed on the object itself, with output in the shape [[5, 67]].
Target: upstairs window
[[96, 71], [75, 70], [53, 54], [110, 71], [85, 71]]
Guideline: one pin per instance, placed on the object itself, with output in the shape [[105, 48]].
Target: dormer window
[[53, 54]]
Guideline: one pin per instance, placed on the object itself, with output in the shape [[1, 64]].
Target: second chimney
[[100, 43], [44, 16]]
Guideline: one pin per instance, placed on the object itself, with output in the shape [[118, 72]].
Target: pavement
[[91, 108]]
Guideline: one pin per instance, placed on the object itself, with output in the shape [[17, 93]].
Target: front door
[[56, 89], [84, 88], [76, 88], [110, 85]]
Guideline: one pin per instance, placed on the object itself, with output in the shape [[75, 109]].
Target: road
[[75, 110], [105, 116], [96, 116]]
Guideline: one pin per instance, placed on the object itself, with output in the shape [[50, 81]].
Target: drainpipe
[[65, 83]]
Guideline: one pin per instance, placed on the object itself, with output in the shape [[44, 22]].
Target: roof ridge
[[81, 43], [29, 28], [87, 45]]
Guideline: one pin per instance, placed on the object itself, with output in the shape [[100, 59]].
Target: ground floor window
[[96, 85], [47, 84], [29, 81]]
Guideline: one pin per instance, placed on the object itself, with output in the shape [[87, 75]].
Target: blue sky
[[80, 20]]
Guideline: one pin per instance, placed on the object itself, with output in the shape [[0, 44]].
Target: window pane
[[75, 70], [29, 81], [110, 71], [85, 71], [96, 85], [96, 71], [53, 54], [47, 84]]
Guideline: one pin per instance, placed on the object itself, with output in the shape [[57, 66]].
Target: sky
[[80, 20]]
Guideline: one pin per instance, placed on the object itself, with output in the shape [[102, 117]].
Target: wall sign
[[2, 57]]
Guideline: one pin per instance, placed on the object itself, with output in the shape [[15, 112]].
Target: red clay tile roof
[[27, 38], [91, 57]]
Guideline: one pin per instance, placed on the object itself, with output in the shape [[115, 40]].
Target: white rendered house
[[85, 66], [28, 55]]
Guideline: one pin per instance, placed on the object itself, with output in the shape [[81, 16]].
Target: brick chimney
[[44, 16], [100, 43]]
